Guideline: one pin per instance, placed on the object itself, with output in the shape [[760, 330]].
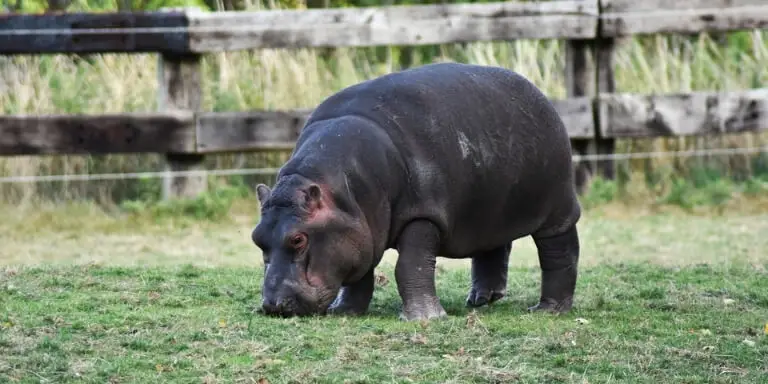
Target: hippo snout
[[286, 293], [278, 307], [284, 305]]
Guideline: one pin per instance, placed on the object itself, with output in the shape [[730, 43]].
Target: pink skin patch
[[322, 209], [314, 280], [321, 214]]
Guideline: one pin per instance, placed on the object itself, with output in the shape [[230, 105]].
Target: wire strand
[[689, 153], [273, 171], [137, 175]]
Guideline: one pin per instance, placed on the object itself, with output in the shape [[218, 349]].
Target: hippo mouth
[[306, 300], [320, 296], [314, 289]]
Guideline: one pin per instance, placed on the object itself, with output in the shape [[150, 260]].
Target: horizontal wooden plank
[[258, 130], [696, 113], [97, 134], [366, 15], [684, 21], [392, 25], [656, 5], [577, 116], [93, 32], [278, 130], [418, 33]]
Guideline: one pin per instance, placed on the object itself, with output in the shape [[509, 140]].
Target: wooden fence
[[594, 113]]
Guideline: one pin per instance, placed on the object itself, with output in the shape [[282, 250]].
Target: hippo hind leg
[[558, 258], [489, 276]]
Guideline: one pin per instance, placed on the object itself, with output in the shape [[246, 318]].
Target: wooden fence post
[[180, 88], [588, 72], [579, 78], [606, 83]]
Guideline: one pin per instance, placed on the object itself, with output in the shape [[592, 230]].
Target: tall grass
[[278, 78]]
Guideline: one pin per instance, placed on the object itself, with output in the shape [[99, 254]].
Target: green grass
[[164, 294], [186, 324], [673, 288]]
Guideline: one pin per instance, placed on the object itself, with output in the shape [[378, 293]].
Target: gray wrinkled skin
[[448, 160]]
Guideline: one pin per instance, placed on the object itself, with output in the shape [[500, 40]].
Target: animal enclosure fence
[[594, 112]]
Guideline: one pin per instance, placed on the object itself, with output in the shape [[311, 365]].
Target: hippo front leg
[[559, 259], [355, 298], [415, 271]]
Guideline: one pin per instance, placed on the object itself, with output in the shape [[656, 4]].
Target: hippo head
[[311, 247]]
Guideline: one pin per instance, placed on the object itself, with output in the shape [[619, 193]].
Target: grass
[[215, 230], [186, 324], [166, 291]]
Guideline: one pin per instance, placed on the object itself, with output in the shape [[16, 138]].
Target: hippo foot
[[553, 306], [423, 312], [478, 297], [349, 309]]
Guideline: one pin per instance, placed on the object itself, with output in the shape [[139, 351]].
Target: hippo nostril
[[270, 306], [284, 307]]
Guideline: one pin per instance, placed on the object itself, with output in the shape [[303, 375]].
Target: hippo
[[446, 159]]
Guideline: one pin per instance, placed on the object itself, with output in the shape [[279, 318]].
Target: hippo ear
[[314, 192], [263, 192]]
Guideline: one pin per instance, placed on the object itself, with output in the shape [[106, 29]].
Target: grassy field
[[95, 296], [190, 325]]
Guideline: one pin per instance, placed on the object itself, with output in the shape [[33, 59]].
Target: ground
[[90, 297]]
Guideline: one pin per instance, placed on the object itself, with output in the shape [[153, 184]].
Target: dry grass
[[300, 78], [613, 233]]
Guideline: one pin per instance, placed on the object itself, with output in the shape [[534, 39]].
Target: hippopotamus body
[[450, 160]]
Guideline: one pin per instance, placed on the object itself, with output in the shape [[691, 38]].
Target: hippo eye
[[298, 241]]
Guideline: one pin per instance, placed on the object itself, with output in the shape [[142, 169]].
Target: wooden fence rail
[[595, 114]]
